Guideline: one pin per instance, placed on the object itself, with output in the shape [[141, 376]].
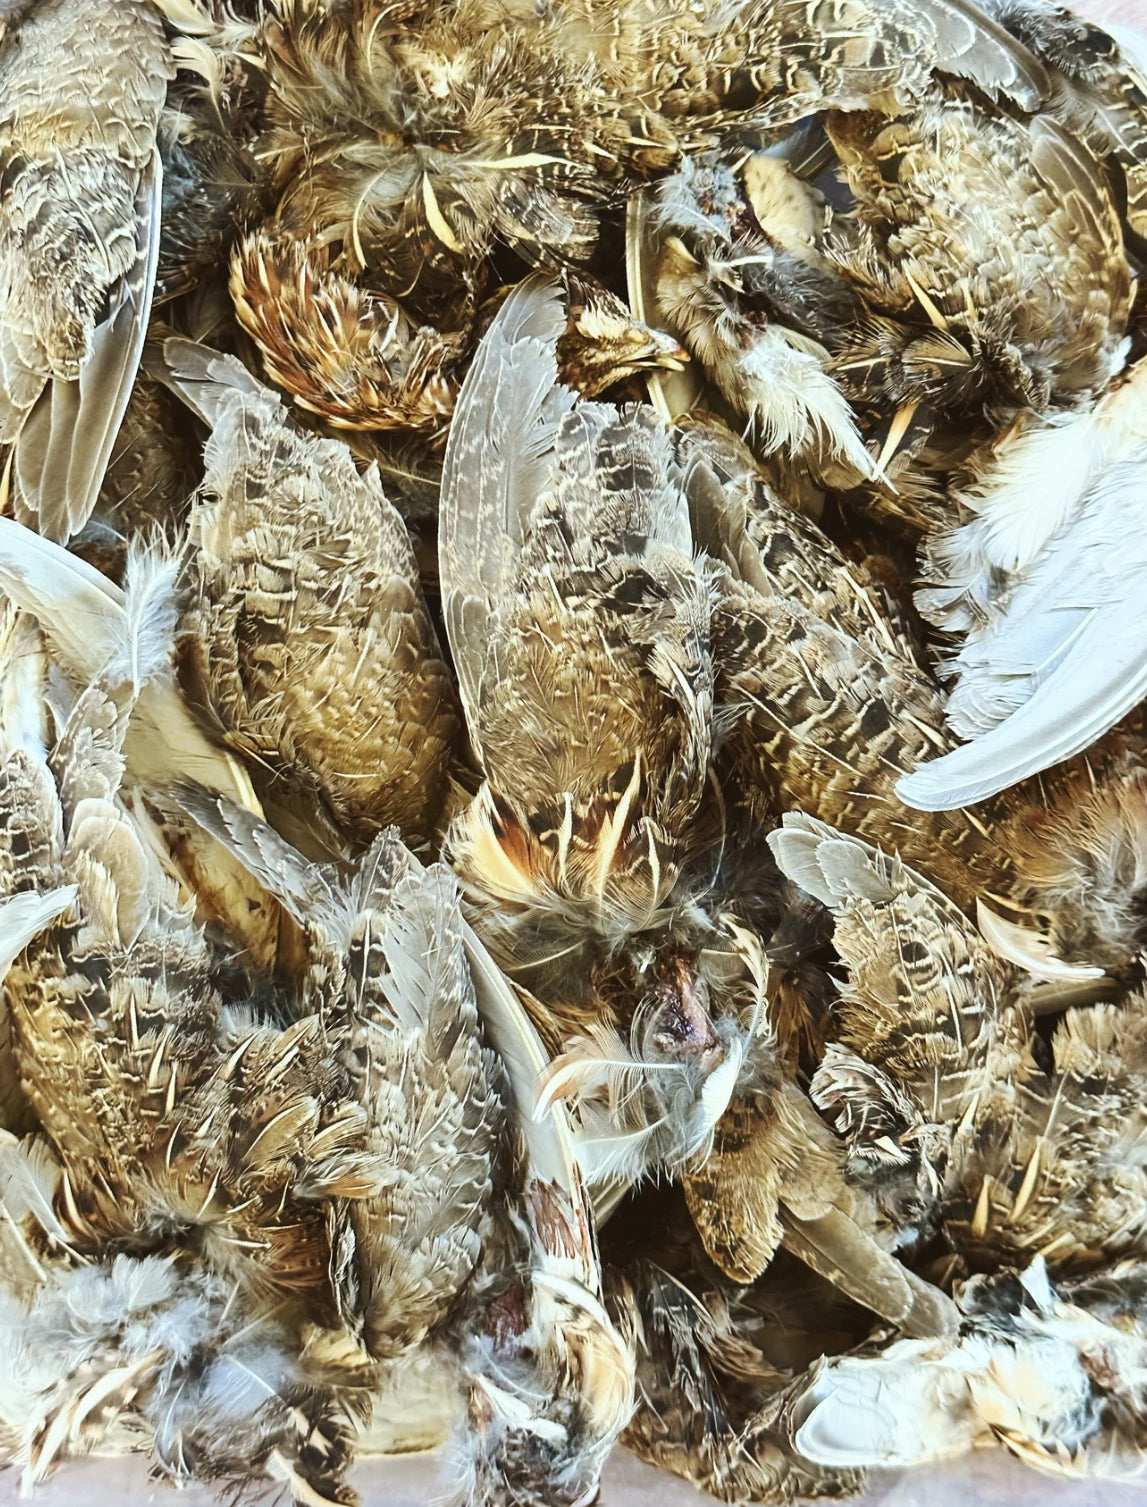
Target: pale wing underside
[[1065, 662]]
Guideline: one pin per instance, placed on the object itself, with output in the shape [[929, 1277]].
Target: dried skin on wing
[[579, 623], [169, 1111], [78, 234], [998, 243], [824, 702], [389, 979], [307, 623]]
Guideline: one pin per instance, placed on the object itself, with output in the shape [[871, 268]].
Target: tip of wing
[[1100, 681], [80, 610], [66, 442], [836, 1247], [202, 377]]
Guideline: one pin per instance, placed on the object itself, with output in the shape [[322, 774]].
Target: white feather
[[794, 405], [151, 615], [1045, 583], [24, 716], [633, 1113], [29, 1177]]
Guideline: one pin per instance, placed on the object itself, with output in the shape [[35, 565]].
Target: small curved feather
[[829, 865], [1027, 949], [29, 1177], [66, 442], [635, 1117]]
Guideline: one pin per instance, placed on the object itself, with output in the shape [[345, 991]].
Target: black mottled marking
[[876, 720]]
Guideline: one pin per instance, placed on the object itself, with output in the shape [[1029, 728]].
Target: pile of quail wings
[[573, 758]]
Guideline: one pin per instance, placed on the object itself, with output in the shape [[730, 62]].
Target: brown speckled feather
[[774, 64], [340, 351], [307, 624], [1063, 1175], [954, 1109], [825, 702], [1079, 838], [579, 624], [710, 1404], [768, 1151], [168, 1110], [1098, 88], [999, 241], [152, 473]]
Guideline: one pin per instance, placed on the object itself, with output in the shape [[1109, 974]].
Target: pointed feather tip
[[151, 613], [1028, 949], [535, 310]]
